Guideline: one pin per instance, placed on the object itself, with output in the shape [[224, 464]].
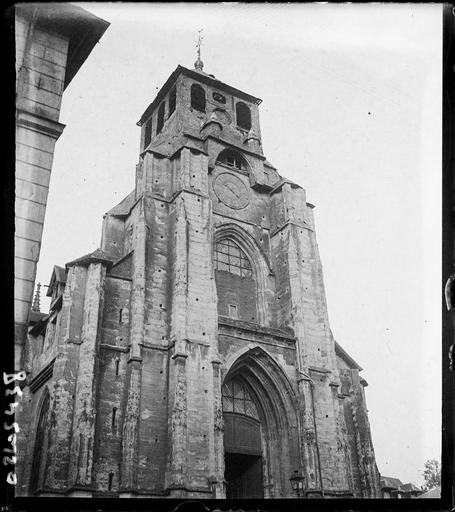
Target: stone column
[[130, 439], [194, 443], [218, 483], [177, 434], [308, 438], [367, 467]]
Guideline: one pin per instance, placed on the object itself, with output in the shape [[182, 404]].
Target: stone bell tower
[[191, 356]]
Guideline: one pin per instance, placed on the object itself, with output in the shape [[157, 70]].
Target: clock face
[[231, 190]]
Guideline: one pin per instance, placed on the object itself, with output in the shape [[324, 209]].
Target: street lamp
[[297, 480]]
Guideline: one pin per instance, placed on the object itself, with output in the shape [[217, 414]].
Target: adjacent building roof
[[58, 276], [200, 77], [35, 317], [388, 482], [410, 488], [432, 493], [82, 28]]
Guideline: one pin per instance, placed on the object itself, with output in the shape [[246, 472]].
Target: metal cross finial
[[199, 43], [199, 64]]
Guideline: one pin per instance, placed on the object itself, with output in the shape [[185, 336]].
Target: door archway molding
[[277, 407]]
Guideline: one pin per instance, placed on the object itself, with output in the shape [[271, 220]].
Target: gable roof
[[58, 276], [388, 482]]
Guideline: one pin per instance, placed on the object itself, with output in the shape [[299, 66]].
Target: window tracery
[[230, 258], [233, 159], [237, 398]]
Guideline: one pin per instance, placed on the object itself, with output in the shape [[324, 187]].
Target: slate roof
[[97, 256], [410, 488]]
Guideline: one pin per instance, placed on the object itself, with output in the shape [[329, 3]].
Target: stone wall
[[40, 65]]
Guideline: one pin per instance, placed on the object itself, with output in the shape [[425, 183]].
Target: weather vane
[[199, 64]]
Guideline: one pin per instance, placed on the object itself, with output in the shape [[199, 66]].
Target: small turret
[[36, 300]]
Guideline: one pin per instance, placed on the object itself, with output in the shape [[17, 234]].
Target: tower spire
[[199, 64], [36, 300]]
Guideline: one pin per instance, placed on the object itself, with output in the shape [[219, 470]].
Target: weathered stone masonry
[[191, 355]]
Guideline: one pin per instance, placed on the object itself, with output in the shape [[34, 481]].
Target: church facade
[[191, 355]]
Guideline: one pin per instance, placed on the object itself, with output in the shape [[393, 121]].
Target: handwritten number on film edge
[[11, 478]]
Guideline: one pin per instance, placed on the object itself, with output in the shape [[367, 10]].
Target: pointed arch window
[[230, 258], [237, 398], [198, 97]]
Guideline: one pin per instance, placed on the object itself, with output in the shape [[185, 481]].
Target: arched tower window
[[237, 291], [243, 115], [160, 120], [39, 452], [233, 159], [172, 101], [198, 97], [148, 133]]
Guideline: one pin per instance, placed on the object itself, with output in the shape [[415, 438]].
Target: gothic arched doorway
[[242, 441], [40, 448], [261, 446]]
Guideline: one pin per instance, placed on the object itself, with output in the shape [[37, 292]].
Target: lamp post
[[297, 480]]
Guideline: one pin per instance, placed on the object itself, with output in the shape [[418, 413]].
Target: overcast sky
[[352, 112]]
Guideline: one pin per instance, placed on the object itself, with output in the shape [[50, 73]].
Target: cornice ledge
[[39, 123]]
